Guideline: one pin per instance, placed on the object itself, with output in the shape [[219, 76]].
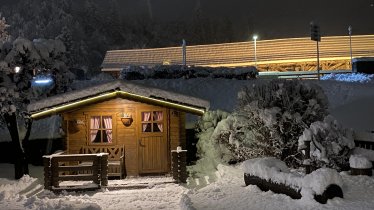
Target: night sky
[[268, 18]]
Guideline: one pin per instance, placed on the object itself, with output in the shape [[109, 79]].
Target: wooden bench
[[116, 158]]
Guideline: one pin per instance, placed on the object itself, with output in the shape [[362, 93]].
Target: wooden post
[[104, 169], [307, 157], [54, 172], [47, 172], [96, 170], [178, 166]]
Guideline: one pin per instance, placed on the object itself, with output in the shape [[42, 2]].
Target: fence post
[[306, 162], [96, 169], [54, 172], [104, 169], [178, 166], [47, 172], [184, 54]]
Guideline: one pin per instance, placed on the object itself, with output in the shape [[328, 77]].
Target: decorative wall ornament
[[126, 119]]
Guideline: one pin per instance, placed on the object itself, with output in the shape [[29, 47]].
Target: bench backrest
[[115, 152]]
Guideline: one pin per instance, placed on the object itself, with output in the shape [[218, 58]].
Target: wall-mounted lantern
[[126, 119]]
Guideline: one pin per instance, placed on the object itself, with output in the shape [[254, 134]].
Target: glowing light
[[17, 69], [43, 81], [122, 94], [255, 37]]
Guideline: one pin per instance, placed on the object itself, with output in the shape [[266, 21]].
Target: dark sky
[[269, 18]]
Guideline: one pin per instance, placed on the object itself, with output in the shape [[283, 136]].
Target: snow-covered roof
[[124, 89], [363, 59]]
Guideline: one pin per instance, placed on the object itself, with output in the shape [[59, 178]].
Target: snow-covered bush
[[270, 118], [330, 144], [209, 152], [268, 122], [352, 77], [175, 71]]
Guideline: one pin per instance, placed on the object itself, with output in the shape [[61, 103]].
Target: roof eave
[[117, 93]]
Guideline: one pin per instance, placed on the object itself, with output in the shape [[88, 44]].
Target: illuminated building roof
[[116, 89]]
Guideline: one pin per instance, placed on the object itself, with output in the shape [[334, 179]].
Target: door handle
[[140, 143]]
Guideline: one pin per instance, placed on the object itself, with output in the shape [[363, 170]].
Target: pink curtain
[[158, 116], [146, 117], [108, 127], [95, 125]]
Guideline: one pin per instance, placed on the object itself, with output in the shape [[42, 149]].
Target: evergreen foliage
[[90, 28], [269, 119], [20, 62]]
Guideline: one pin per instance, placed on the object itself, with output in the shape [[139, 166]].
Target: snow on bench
[[273, 174]]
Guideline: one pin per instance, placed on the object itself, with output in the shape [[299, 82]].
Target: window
[[101, 129], [152, 121]]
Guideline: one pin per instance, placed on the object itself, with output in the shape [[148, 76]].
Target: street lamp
[[350, 45], [255, 45]]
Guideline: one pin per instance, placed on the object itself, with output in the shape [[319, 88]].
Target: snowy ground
[[28, 193], [227, 192]]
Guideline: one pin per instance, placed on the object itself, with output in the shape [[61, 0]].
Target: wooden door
[[153, 144]]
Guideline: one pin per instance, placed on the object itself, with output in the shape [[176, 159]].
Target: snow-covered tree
[[330, 144], [20, 62], [94, 27], [209, 151], [4, 36]]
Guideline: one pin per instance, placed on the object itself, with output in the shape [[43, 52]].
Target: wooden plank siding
[[77, 134]]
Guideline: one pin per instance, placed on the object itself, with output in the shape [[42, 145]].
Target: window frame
[[152, 122], [102, 130]]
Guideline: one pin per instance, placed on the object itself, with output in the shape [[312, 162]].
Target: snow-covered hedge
[[174, 72], [276, 171], [359, 162], [270, 118], [268, 122], [369, 154]]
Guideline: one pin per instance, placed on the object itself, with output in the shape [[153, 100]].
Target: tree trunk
[[20, 162]]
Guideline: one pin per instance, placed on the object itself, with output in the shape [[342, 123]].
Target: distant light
[[43, 81], [255, 37], [17, 69]]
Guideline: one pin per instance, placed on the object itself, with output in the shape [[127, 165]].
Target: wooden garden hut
[[144, 122]]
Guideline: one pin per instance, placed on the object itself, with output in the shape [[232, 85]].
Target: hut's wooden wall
[[77, 125]]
